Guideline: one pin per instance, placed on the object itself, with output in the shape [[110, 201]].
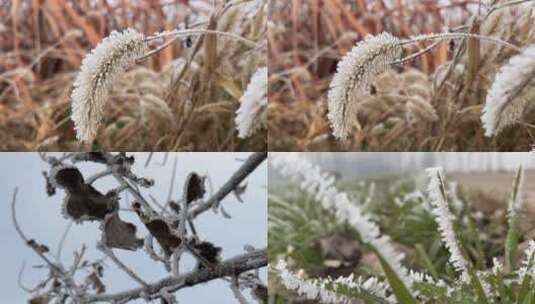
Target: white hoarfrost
[[321, 185], [354, 75], [511, 90], [98, 71], [250, 115], [527, 267], [444, 219], [316, 289]]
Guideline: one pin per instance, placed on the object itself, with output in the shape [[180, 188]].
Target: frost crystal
[[511, 91], [444, 219], [354, 75], [316, 289], [97, 74], [249, 117], [527, 263], [321, 185]]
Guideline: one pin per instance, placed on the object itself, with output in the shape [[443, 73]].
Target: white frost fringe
[[253, 104], [315, 289], [444, 219]]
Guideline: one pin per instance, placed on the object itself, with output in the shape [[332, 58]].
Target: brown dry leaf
[[119, 234], [163, 234], [39, 300], [96, 283]]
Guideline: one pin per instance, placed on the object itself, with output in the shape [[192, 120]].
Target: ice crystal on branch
[[98, 71]]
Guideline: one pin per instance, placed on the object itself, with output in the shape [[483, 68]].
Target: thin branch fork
[[231, 267], [235, 180]]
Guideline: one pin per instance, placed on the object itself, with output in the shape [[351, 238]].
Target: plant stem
[[443, 36]]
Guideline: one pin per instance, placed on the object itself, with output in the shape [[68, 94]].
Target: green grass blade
[[511, 242], [476, 284], [401, 291]]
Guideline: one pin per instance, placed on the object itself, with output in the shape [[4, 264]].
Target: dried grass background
[[433, 104], [156, 105]]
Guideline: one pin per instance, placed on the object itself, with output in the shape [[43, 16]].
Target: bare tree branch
[[230, 267], [249, 166]]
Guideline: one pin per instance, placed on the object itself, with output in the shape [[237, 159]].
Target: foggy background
[[372, 164], [40, 218]]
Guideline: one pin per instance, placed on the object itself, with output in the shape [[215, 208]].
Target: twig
[[234, 286], [249, 166], [102, 174], [109, 252], [53, 266], [62, 241]]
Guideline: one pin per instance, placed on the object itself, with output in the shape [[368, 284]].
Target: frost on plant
[[444, 219], [511, 90], [354, 75], [331, 291], [471, 282], [321, 185], [98, 72], [251, 114], [170, 233]]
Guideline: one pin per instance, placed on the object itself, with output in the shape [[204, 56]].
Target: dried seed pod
[[162, 232], [208, 251], [88, 205], [119, 234], [194, 188], [159, 229], [65, 177], [82, 201]]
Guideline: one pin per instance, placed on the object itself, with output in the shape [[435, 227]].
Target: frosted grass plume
[[354, 75], [249, 116], [511, 90], [98, 71], [369, 58], [444, 219]]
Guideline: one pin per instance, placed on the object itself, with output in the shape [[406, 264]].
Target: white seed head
[[511, 91], [354, 75], [250, 115], [98, 71]]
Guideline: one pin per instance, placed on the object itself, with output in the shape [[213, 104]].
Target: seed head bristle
[[98, 71], [511, 90], [355, 73], [250, 115]]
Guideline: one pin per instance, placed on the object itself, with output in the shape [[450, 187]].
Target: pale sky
[[366, 164], [40, 218]]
